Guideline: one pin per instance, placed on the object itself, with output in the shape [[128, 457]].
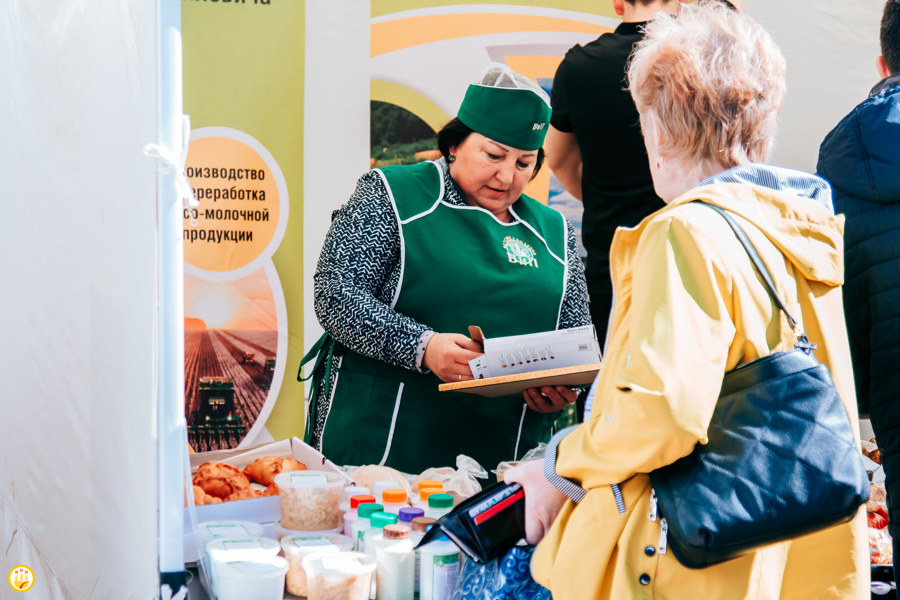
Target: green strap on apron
[[322, 350]]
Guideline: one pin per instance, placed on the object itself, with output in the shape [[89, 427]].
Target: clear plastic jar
[[295, 548], [310, 500], [345, 575]]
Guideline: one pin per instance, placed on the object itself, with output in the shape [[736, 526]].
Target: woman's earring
[[451, 158], [658, 165]]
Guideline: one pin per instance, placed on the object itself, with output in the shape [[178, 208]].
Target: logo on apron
[[519, 252]]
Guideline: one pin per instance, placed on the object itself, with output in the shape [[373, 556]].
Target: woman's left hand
[[549, 398], [542, 500]]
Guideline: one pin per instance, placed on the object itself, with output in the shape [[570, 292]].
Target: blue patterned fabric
[[800, 183], [506, 578]]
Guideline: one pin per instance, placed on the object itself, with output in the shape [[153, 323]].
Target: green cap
[[440, 501], [511, 116], [364, 511], [380, 519]]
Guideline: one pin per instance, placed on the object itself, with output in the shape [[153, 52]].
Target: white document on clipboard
[[516, 354]]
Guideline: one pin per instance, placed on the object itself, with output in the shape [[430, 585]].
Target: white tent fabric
[[830, 48], [78, 301]]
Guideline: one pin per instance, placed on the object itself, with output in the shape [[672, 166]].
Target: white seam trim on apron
[[390, 439], [565, 282], [440, 198], [390, 193], [519, 435], [540, 237], [337, 376]]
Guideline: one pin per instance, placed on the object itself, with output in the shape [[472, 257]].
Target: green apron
[[460, 267]]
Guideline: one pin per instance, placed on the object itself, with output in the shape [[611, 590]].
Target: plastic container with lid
[[296, 547], [439, 505], [406, 515], [393, 500], [222, 550], [208, 530], [351, 514], [310, 500], [252, 579], [439, 564], [395, 565], [353, 490], [377, 522], [283, 532], [346, 493], [424, 493], [343, 575], [429, 483], [419, 526], [361, 524], [380, 486]]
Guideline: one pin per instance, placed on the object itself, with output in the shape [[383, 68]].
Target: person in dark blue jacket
[[861, 159]]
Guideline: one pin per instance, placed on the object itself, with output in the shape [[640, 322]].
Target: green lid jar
[[366, 510], [439, 505], [380, 519]]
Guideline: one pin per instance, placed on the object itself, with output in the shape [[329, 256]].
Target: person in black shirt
[[595, 147]]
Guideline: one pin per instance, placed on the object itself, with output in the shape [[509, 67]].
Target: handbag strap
[[802, 340]]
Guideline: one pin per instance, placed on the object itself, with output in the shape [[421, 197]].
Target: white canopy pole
[[172, 138]]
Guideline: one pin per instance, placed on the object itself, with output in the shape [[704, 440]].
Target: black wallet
[[486, 525]]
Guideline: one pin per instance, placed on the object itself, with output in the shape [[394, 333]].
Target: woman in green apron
[[419, 253]]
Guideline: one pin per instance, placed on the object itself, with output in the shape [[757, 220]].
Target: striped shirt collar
[[782, 179]]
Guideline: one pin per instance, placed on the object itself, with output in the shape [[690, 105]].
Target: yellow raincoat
[[689, 307]]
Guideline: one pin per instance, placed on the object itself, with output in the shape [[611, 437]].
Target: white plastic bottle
[[393, 500], [439, 505], [352, 513], [439, 569], [380, 486], [377, 522], [421, 501], [346, 493], [395, 565], [419, 525], [361, 524]]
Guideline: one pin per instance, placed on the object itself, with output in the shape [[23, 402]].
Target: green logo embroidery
[[519, 252]]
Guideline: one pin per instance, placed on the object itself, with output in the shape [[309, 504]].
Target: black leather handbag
[[782, 460]]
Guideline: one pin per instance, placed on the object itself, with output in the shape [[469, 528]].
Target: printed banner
[[244, 90], [243, 293]]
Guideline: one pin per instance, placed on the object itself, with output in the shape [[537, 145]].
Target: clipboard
[[505, 385]]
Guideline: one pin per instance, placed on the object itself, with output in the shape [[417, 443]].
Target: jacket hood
[[861, 155], [809, 234]]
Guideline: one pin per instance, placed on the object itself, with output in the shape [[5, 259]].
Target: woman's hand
[[542, 500], [549, 399], [447, 355]]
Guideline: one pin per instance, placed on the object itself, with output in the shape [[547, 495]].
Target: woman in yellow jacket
[[689, 307]]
